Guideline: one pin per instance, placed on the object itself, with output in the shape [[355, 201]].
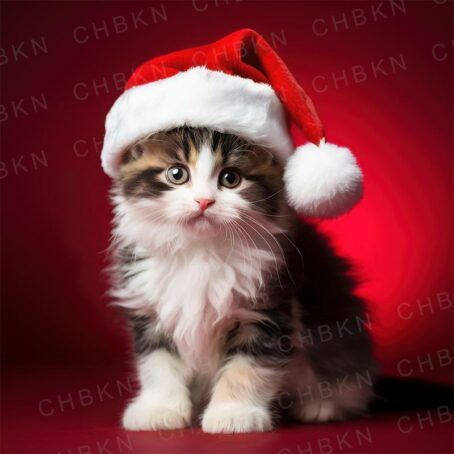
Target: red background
[[55, 217]]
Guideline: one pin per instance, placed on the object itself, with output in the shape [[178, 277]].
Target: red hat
[[241, 86]]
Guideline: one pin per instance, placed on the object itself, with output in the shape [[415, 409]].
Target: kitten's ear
[[133, 154], [263, 156], [137, 151]]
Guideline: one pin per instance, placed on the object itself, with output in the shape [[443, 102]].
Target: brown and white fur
[[226, 291]]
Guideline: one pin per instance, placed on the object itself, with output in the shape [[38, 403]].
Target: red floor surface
[[78, 413]]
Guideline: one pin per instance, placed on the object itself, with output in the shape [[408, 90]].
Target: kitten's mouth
[[200, 220]]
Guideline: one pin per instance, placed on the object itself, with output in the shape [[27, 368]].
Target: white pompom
[[323, 181]]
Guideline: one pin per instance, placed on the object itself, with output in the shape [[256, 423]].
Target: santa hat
[[237, 85]]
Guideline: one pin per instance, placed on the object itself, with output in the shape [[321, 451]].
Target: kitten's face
[[201, 181]]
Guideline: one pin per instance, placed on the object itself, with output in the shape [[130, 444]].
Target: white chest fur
[[197, 291]]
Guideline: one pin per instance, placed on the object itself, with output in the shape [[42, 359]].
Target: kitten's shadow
[[398, 395]]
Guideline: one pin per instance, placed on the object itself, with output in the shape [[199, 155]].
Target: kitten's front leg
[[241, 398], [164, 400], [247, 384]]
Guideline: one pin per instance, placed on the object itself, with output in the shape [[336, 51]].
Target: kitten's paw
[[151, 413], [234, 417], [319, 410]]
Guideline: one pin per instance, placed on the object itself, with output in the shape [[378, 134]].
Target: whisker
[[232, 241], [278, 215], [277, 243], [233, 224], [269, 247], [266, 198], [283, 233], [245, 232]]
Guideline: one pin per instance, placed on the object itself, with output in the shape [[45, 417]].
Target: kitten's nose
[[204, 203]]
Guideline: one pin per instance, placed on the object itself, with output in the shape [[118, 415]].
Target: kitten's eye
[[177, 175], [229, 178]]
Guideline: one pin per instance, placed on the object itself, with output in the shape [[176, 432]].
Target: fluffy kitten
[[240, 311]]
